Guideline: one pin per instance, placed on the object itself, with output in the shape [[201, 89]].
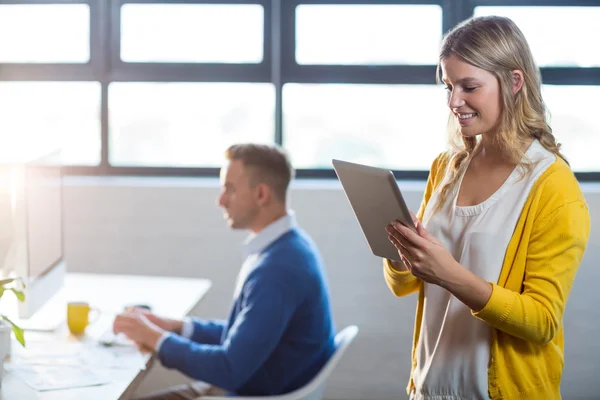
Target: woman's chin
[[469, 132]]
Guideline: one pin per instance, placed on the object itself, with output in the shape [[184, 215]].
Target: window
[[574, 122], [163, 87], [192, 33], [44, 33], [53, 113], [397, 126], [186, 124], [368, 34], [558, 36]]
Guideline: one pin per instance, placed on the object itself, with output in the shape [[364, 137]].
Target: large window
[[202, 33], [44, 33], [163, 87], [48, 114], [575, 123], [186, 124], [361, 34], [388, 125], [558, 36]]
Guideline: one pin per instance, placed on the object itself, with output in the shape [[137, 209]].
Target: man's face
[[237, 198]]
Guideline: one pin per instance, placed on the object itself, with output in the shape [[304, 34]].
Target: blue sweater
[[279, 333]]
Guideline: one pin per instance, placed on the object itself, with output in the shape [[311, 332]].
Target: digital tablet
[[376, 201]]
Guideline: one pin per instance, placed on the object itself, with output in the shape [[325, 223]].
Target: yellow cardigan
[[527, 303]]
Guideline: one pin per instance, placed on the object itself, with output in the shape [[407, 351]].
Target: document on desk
[[120, 357], [71, 365], [50, 377], [80, 354]]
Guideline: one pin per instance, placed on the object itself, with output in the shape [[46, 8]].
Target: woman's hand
[[422, 253], [426, 258]]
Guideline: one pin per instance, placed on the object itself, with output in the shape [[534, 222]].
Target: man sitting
[[279, 333]]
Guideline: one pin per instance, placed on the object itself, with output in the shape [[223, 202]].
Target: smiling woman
[[501, 231]]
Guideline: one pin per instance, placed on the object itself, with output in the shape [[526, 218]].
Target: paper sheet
[[70, 365], [80, 354], [50, 377]]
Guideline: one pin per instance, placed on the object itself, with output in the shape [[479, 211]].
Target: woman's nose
[[455, 99]]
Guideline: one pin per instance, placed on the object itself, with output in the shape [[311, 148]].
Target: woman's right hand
[[399, 265]]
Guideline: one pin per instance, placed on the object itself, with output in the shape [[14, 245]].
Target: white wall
[[172, 227]]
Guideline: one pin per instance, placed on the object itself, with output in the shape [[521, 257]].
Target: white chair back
[[314, 389]]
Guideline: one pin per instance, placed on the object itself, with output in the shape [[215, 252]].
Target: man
[[280, 332]]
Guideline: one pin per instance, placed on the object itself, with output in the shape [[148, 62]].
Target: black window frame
[[278, 67]]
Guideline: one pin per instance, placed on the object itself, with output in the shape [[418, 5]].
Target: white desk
[[173, 297]]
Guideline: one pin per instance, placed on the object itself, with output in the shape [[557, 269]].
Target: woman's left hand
[[424, 255]]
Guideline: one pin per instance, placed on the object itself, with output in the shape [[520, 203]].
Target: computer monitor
[[31, 237]]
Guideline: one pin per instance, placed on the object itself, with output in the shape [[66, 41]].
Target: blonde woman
[[501, 231]]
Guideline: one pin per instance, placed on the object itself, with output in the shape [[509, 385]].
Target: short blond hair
[[267, 164]]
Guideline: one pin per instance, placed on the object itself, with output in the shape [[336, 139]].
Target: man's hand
[[137, 327], [167, 324]]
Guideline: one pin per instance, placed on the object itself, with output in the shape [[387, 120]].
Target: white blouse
[[453, 350]]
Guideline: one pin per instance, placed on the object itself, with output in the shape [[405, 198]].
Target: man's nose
[[220, 200]]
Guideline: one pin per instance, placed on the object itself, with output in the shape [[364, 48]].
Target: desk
[[173, 297]]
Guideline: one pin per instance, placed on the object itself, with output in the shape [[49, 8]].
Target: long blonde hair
[[497, 45]]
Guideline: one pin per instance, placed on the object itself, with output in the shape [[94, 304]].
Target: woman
[[501, 231]]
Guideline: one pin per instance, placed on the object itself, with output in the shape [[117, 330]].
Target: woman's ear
[[517, 79]]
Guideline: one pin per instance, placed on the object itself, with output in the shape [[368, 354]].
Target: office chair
[[314, 389]]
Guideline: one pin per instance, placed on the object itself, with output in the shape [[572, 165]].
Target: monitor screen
[[43, 188]]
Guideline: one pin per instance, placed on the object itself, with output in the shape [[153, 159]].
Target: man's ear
[[263, 193], [517, 81]]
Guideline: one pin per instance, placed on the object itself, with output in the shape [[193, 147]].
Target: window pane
[[395, 126], [558, 36], [574, 121], [44, 33], [186, 124], [368, 34], [196, 33], [53, 113]]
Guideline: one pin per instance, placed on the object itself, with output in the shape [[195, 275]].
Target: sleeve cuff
[[161, 340], [398, 276], [187, 329], [498, 307]]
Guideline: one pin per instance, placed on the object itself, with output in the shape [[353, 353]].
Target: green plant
[[14, 285]]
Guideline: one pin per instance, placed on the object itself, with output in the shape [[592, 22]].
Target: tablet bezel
[[374, 209]]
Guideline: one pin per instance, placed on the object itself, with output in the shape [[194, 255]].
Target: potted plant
[[14, 285]]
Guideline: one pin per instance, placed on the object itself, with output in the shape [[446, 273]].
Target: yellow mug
[[78, 316]]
